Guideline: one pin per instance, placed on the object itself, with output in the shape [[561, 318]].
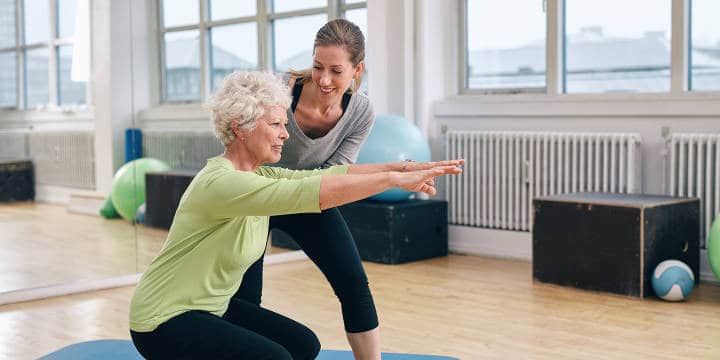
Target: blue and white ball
[[673, 280]]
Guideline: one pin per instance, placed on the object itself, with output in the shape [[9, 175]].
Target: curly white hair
[[243, 97]]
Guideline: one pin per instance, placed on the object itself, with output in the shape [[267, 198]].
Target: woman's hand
[[424, 180], [409, 166]]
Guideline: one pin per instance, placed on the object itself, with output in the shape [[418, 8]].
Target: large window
[[204, 40], [705, 54], [36, 54], [505, 44], [617, 46], [612, 46]]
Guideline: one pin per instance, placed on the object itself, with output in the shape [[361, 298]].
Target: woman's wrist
[[404, 165]]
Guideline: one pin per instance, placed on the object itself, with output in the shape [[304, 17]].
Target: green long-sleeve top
[[219, 230]]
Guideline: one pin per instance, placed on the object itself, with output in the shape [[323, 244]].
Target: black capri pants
[[246, 331], [327, 241]]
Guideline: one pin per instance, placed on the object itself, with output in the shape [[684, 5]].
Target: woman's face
[[333, 71], [265, 142]]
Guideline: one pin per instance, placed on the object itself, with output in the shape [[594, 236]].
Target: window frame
[[53, 45], [680, 62], [263, 18], [463, 76]]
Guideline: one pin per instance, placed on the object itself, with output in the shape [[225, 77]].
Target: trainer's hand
[[423, 180], [415, 166]]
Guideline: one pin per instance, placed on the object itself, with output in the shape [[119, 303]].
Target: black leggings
[[246, 331], [327, 241]]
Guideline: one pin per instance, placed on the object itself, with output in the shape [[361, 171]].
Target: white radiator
[[181, 149], [15, 144], [505, 170], [694, 171], [64, 158]]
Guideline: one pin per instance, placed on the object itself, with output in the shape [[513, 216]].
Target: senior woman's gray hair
[[243, 97]]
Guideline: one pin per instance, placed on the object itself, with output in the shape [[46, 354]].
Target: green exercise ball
[[128, 187], [713, 247]]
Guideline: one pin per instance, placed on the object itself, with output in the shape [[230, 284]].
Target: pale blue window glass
[[505, 44], [8, 79], [36, 77], [37, 22], [228, 9], [293, 41], [180, 12], [182, 65], [292, 5], [70, 92], [617, 46], [228, 54], [705, 50]]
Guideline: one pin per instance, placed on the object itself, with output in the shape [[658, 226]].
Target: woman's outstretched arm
[[336, 190]]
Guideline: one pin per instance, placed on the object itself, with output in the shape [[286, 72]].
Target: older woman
[[183, 305]]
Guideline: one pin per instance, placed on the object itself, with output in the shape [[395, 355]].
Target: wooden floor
[[462, 306], [44, 244]]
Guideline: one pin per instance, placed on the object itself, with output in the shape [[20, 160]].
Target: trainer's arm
[[401, 166]]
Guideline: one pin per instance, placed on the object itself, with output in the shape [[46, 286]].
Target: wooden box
[[163, 191], [17, 180], [612, 242], [392, 233]]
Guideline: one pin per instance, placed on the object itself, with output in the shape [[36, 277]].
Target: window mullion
[[680, 47], [333, 10], [555, 48], [19, 55], [204, 51], [264, 34], [53, 82]]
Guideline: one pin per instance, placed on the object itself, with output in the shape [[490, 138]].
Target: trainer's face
[[333, 71], [265, 142]]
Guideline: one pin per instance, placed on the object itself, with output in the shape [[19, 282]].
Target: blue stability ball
[[673, 280], [393, 139], [140, 214]]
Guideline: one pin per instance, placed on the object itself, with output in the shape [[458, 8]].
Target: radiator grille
[[181, 150], [15, 144], [64, 158], [694, 170], [505, 170]]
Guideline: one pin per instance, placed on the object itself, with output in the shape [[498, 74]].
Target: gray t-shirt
[[340, 145]]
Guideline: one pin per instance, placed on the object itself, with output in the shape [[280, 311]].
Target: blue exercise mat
[[125, 350]]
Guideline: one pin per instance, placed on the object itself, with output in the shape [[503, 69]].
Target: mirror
[[58, 153]]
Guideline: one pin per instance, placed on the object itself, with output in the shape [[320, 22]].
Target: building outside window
[[36, 54], [612, 46], [204, 40]]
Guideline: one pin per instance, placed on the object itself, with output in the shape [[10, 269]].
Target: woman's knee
[[304, 344]]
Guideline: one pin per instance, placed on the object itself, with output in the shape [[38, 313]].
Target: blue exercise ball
[[140, 214], [673, 280], [393, 139]]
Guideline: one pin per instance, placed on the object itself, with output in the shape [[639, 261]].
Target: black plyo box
[[17, 180], [392, 233], [163, 191], [395, 233], [612, 242]]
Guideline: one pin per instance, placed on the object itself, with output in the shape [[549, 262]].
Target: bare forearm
[[374, 168], [336, 190]]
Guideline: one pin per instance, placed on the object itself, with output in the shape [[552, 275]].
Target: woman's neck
[[240, 160], [323, 108]]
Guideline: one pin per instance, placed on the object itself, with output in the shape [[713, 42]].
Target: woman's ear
[[359, 68]]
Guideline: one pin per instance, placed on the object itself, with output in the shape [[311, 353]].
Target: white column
[[120, 74]]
